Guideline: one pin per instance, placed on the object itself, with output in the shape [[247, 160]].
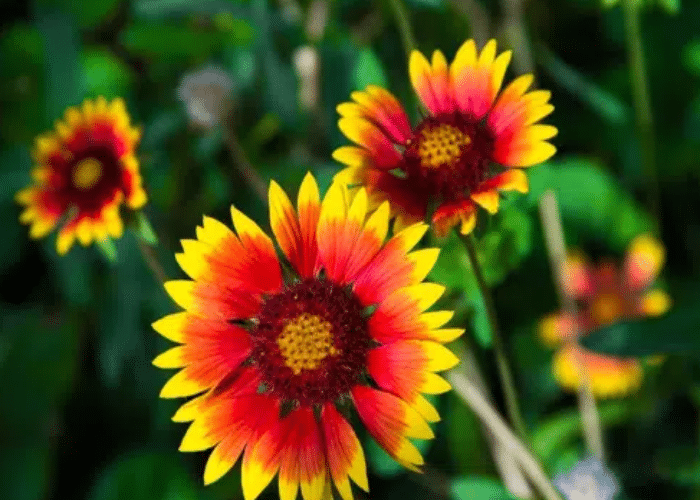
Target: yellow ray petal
[[378, 222], [425, 409], [213, 231], [181, 385], [436, 319], [171, 326], [434, 384], [423, 261], [172, 358], [190, 410], [64, 241], [445, 335], [487, 199], [426, 294], [198, 437], [439, 357], [217, 465], [655, 303], [181, 292]]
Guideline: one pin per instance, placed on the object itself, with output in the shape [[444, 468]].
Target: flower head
[[279, 359], [207, 95], [85, 169], [605, 294], [462, 153]]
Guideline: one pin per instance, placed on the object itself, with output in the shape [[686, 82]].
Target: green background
[[80, 416]]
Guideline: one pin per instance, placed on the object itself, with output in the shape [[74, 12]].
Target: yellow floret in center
[[441, 145], [87, 173], [305, 342]]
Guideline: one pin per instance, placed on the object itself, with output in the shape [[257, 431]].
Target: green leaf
[[558, 432], [671, 7], [107, 249], [691, 57], [180, 41], [369, 70], [674, 333], [465, 438], [143, 229], [146, 476], [25, 472], [105, 74], [590, 199], [479, 488]]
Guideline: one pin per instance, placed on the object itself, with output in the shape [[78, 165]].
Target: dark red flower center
[[89, 170], [449, 155], [311, 341]]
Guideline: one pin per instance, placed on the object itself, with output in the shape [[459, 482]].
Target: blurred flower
[[279, 361], [447, 160], [84, 171], [588, 480], [605, 295], [307, 63], [206, 94]]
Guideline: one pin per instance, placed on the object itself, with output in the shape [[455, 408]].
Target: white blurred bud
[[588, 480], [206, 94], [306, 63], [317, 19]]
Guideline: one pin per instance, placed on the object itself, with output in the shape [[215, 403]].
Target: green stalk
[[404, 25], [641, 99], [504, 371]]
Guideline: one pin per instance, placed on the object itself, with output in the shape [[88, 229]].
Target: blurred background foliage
[[80, 416]]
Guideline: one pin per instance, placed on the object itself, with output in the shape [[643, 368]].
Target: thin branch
[[556, 248], [490, 417], [504, 371]]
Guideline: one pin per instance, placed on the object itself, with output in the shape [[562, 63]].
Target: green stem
[[504, 371], [641, 99], [151, 260], [404, 25]]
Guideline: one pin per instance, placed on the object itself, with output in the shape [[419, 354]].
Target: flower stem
[[641, 99], [151, 261], [243, 166], [404, 25], [491, 419], [504, 371], [556, 248]]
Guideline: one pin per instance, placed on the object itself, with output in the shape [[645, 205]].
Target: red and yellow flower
[[280, 351], [85, 170], [472, 144], [605, 294]]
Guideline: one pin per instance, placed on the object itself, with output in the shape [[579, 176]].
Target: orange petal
[[381, 108], [366, 134], [344, 451], [449, 215], [390, 421], [608, 376]]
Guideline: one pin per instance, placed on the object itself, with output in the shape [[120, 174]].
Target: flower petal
[[344, 452], [449, 215], [364, 133], [608, 376], [390, 421], [381, 108], [644, 260], [390, 269]]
